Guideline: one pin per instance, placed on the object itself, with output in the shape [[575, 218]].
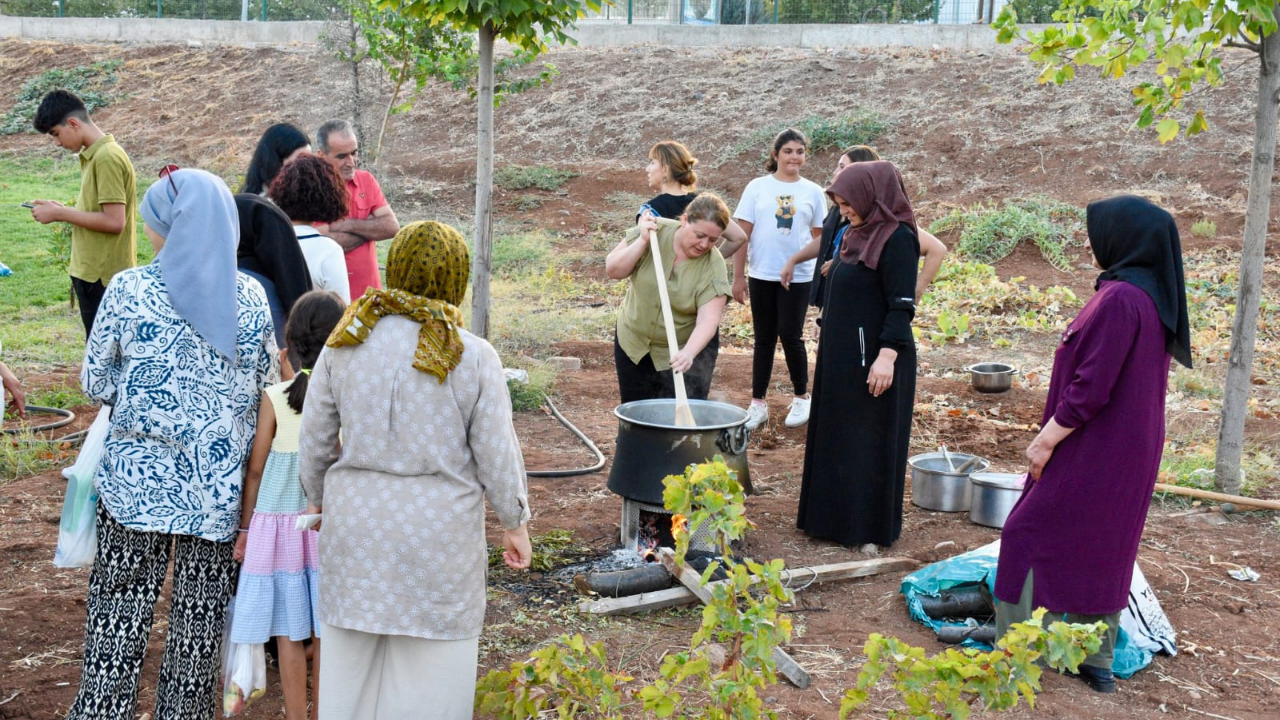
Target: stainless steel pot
[[992, 496], [651, 446], [936, 486], [991, 377]]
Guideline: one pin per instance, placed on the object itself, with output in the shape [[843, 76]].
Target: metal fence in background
[[772, 12], [275, 10], [666, 12]]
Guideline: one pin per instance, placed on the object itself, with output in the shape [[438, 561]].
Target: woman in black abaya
[[864, 387]]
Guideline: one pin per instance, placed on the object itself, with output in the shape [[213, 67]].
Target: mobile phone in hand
[[28, 205]]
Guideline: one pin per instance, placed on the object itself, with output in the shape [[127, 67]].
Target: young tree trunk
[[356, 100], [483, 251], [1244, 332], [386, 116]]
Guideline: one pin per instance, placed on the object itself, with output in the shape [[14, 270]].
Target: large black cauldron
[[651, 446]]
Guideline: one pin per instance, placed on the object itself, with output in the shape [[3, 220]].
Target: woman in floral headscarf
[[426, 436], [182, 349], [864, 387]]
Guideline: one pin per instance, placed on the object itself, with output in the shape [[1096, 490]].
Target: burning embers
[[657, 529], [645, 528]]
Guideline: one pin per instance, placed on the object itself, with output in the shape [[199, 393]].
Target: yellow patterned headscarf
[[427, 272]]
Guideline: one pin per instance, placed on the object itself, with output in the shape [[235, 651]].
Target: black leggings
[[641, 381], [778, 313]]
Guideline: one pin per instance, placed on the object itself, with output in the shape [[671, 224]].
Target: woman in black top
[[670, 172], [864, 386], [280, 143]]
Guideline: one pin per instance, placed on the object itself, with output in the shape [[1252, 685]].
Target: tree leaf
[[1198, 124]]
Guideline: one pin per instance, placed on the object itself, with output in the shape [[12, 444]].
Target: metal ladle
[[947, 456]]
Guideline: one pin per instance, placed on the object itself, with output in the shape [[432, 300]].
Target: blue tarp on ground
[[978, 566]]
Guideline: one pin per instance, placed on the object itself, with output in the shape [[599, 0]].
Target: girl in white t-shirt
[[781, 213]]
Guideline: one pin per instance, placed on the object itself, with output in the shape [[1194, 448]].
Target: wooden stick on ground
[[800, 576], [1239, 500], [690, 578], [684, 414]]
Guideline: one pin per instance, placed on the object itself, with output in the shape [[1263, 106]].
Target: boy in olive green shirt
[[103, 238]]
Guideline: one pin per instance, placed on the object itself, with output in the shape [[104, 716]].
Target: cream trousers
[[396, 677]]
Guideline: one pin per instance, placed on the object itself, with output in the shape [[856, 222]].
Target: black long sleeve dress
[[856, 455], [830, 226]]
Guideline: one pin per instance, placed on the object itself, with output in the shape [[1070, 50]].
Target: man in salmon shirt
[[370, 218]]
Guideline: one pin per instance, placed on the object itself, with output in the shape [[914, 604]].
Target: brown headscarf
[[427, 272], [877, 195]]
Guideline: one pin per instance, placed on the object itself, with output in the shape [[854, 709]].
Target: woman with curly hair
[[312, 194]]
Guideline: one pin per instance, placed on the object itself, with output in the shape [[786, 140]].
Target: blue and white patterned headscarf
[[201, 229]]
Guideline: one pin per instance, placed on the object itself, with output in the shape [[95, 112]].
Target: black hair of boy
[[55, 108]]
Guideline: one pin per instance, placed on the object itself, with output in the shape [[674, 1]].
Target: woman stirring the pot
[[698, 285], [1070, 543]]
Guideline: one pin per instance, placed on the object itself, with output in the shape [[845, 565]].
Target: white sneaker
[[799, 414], [757, 415]]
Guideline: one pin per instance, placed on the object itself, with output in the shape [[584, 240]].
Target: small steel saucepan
[[991, 377]]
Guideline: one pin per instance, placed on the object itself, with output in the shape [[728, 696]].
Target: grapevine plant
[[729, 662]]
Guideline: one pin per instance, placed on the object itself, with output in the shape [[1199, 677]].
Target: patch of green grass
[[530, 395], [91, 83], [536, 301], [22, 456], [523, 177], [40, 327], [824, 133], [1204, 228], [990, 307], [525, 203], [1192, 466], [517, 254], [989, 233], [65, 397]]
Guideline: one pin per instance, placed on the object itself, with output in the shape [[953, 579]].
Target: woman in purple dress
[[1070, 543]]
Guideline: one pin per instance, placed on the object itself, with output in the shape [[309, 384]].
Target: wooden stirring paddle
[[684, 414]]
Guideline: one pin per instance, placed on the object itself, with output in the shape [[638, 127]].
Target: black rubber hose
[[66, 417], [585, 441]]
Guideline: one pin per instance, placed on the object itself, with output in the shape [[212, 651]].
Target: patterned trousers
[[128, 573]]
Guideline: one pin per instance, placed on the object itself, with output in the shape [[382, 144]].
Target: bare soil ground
[[965, 127]]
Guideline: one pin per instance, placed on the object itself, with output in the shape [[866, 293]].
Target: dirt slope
[[964, 126]]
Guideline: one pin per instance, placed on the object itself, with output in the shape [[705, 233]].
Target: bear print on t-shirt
[[786, 213]]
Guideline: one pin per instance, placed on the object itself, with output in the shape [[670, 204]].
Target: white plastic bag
[[244, 670], [78, 529]]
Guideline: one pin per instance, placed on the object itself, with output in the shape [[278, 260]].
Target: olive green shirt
[[106, 177], [691, 284]]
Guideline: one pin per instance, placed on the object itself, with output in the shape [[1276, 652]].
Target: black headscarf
[[269, 247], [1137, 242]]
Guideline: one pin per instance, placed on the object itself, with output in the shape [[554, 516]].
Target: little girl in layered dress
[[278, 592]]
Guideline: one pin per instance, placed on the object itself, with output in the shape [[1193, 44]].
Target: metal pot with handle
[[650, 446], [937, 482], [993, 495]]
